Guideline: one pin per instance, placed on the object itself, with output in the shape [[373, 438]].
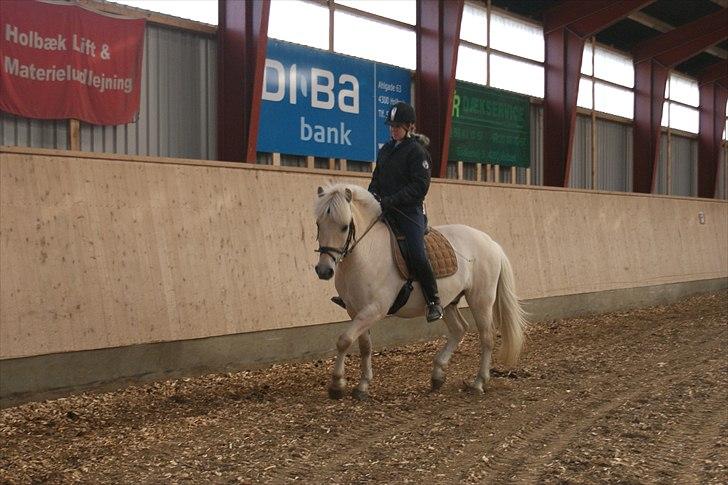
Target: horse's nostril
[[324, 272]]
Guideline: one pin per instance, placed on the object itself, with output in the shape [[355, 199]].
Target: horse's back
[[469, 242], [462, 233]]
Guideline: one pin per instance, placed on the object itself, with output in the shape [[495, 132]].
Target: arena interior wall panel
[[102, 251]]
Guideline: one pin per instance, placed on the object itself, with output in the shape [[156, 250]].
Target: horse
[[368, 281]]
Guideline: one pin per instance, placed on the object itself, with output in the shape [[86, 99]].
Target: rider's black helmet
[[400, 113]]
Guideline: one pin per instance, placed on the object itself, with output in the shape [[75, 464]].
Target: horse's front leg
[[361, 392], [359, 326]]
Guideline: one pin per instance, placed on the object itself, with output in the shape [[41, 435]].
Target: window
[[684, 118], [613, 67], [286, 19], [683, 90], [474, 26], [518, 76], [612, 79], [377, 41], [682, 99], [614, 100], [584, 97], [402, 10], [586, 60], [472, 65], [517, 37]]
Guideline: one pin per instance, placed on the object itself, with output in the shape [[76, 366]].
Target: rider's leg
[[411, 223]]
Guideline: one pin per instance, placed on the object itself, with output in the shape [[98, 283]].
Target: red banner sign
[[63, 61]]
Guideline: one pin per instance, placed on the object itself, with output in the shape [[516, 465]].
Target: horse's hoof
[[336, 393], [360, 395], [437, 383], [473, 388]]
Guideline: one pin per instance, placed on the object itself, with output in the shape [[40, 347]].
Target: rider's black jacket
[[402, 175]]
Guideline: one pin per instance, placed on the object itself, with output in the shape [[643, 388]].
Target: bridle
[[342, 251], [348, 246]]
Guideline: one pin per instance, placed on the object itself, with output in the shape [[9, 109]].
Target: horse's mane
[[333, 202]]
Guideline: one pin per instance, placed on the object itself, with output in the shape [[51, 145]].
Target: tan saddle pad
[[439, 252]]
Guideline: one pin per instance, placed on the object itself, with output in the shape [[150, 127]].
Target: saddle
[[440, 254]]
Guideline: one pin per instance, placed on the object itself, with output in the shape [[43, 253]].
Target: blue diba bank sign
[[324, 104]]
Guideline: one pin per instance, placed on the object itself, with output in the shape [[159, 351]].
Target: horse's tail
[[509, 315]]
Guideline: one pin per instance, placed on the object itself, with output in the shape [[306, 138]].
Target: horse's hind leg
[[482, 309], [456, 327], [361, 392]]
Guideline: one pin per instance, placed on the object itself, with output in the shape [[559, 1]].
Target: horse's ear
[[320, 191], [348, 195]]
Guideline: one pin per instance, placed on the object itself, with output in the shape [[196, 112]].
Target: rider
[[400, 182]]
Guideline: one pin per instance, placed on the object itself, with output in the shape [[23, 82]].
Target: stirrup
[[434, 312], [339, 301]]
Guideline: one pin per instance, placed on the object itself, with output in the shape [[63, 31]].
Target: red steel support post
[[242, 39], [563, 64], [653, 58], [438, 37], [649, 95], [566, 27], [713, 98]]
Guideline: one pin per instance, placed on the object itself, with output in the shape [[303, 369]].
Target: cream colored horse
[[356, 247]]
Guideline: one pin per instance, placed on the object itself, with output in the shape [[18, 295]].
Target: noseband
[[343, 251]]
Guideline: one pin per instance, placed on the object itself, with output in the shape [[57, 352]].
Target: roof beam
[[714, 72], [587, 18], [679, 44], [659, 25]]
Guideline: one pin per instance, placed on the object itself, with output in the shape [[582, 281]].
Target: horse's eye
[[344, 228]]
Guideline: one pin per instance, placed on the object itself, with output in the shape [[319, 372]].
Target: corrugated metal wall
[[177, 115], [614, 156], [721, 191], [683, 166], [661, 176], [536, 145], [581, 158], [24, 132], [684, 158]]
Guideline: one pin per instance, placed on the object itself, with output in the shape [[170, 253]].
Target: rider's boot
[[429, 290], [434, 310]]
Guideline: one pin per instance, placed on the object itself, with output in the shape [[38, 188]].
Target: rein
[[345, 250]]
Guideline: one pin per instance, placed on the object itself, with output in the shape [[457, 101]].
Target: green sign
[[490, 126]]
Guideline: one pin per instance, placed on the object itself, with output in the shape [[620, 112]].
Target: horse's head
[[339, 208], [335, 223]]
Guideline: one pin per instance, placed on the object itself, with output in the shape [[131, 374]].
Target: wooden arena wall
[[102, 251]]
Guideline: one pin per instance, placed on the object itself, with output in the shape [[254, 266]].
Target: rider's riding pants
[[411, 222]]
